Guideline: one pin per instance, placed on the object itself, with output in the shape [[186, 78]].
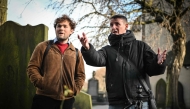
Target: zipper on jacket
[[61, 75], [124, 84], [61, 72]]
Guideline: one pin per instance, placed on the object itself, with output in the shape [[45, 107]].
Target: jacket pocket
[[75, 89], [39, 83]]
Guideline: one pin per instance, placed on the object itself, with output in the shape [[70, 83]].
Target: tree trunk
[[3, 11], [174, 67]]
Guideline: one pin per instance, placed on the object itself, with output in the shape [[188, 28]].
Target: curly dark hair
[[64, 17]]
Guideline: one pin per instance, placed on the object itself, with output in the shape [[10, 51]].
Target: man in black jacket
[[125, 58]]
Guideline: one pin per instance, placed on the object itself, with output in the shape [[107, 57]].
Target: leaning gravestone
[[16, 46], [82, 101]]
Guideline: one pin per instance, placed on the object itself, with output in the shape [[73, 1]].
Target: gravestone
[[161, 93], [93, 87], [16, 46], [186, 62], [82, 101], [181, 96]]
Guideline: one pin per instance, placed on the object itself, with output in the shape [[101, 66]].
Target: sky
[[36, 13]]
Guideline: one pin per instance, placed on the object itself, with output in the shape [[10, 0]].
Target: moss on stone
[[16, 46]]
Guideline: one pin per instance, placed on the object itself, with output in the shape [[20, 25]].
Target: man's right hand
[[84, 41]]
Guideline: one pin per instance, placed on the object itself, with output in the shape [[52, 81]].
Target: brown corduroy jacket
[[59, 70]]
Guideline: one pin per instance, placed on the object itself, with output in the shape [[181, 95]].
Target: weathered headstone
[[181, 96], [16, 46], [161, 93], [93, 87], [82, 101]]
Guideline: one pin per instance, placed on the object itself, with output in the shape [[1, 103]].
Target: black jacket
[[118, 69]]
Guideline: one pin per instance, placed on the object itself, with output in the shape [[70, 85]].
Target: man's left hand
[[161, 56]]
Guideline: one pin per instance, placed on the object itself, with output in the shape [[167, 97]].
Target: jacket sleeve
[[33, 69], [93, 57], [152, 68], [79, 73]]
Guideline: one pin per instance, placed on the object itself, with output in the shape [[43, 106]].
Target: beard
[[62, 39]]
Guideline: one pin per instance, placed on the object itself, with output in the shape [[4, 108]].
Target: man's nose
[[61, 27]]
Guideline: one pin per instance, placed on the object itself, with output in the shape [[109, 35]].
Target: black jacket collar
[[122, 38]]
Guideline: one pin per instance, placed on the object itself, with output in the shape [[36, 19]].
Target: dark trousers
[[68, 104], [43, 102]]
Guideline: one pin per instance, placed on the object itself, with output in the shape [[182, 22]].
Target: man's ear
[[126, 26], [72, 31]]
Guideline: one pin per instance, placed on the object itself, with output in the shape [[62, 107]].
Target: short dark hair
[[64, 17], [119, 16]]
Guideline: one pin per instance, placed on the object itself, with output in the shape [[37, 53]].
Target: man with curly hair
[[62, 74]]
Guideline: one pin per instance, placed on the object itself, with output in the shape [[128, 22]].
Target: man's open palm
[[84, 41], [161, 56]]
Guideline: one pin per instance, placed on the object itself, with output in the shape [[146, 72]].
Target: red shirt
[[62, 47]]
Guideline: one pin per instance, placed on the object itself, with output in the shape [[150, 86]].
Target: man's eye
[[117, 24]]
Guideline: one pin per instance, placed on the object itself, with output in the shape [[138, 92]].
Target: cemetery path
[[100, 107]]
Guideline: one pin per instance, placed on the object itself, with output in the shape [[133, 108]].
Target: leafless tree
[[170, 14]]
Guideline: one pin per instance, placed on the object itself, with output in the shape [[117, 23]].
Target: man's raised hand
[[161, 56], [84, 41]]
